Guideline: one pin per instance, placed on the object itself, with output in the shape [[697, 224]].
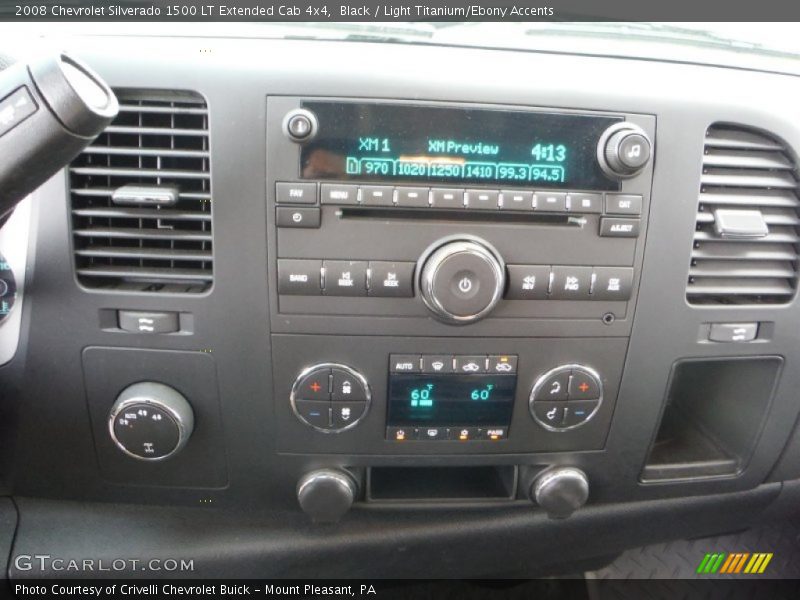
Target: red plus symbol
[[316, 387], [583, 387]]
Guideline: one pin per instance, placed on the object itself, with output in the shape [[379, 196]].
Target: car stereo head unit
[[382, 142]]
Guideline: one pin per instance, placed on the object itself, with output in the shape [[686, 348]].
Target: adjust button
[[299, 277], [391, 279], [613, 227], [527, 282], [345, 277], [347, 388]]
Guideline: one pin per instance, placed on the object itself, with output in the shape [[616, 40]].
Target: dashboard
[[347, 309]]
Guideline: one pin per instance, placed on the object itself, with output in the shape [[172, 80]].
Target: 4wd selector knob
[[624, 149], [150, 421], [462, 280]]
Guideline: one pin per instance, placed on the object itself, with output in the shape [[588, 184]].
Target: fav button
[[345, 278], [295, 193]]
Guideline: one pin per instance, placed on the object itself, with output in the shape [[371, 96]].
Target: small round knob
[[461, 281], [300, 125], [623, 150], [150, 421], [560, 491], [326, 494]]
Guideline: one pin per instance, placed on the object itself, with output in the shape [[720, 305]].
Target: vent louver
[[745, 242], [141, 197]]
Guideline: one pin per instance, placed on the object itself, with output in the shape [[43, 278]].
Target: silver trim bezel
[[542, 379], [330, 365]]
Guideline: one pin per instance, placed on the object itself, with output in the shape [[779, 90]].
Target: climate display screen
[[431, 144], [443, 400]]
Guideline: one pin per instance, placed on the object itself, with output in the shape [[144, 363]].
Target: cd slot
[[433, 214]]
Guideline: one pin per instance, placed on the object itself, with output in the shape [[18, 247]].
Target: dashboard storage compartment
[[441, 484], [714, 414]]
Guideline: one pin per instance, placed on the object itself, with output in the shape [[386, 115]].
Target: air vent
[[141, 197], [745, 243]]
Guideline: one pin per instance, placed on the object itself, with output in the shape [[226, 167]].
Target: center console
[[450, 278]]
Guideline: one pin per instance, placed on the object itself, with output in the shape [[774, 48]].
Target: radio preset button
[[515, 200], [571, 283], [550, 201], [528, 282], [346, 413], [307, 218], [377, 195], [345, 278], [482, 199], [346, 388], [439, 363], [404, 363], [295, 193], [391, 279], [612, 283], [315, 412], [411, 197], [334, 193], [614, 227], [504, 364], [447, 198], [470, 364], [299, 277], [549, 413], [580, 202], [624, 204]]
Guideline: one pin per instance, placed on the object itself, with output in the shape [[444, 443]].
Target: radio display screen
[[388, 142], [443, 400]]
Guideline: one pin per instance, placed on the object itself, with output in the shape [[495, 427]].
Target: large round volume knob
[[150, 421], [462, 280], [326, 495], [560, 491], [623, 150]]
